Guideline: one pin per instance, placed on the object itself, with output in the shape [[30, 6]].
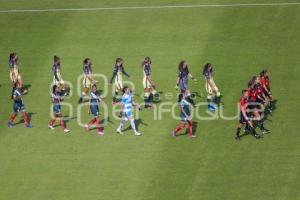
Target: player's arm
[[244, 113], [114, 74], [191, 76], [125, 73], [177, 82]]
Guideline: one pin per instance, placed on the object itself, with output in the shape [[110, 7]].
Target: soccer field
[[240, 40]]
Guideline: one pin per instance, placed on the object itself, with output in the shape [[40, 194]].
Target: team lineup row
[[60, 89]]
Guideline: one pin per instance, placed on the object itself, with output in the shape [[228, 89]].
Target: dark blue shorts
[[94, 110], [18, 107], [57, 109]]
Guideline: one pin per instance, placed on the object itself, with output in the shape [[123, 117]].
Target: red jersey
[[258, 91], [265, 82], [243, 103], [252, 94]]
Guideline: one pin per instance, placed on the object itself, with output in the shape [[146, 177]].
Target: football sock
[[91, 122], [180, 127], [238, 132], [121, 125], [12, 118], [25, 117], [52, 121], [98, 126], [190, 127], [133, 125], [63, 123]]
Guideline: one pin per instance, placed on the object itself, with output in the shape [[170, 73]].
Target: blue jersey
[[18, 102], [147, 69], [56, 99], [207, 72], [87, 69], [127, 104], [12, 63], [94, 101], [118, 69], [185, 105], [184, 75]]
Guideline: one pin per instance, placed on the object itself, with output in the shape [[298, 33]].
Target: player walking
[[117, 78], [185, 115], [265, 83], [18, 107], [213, 93], [95, 100], [14, 72], [56, 103], [127, 111], [244, 119], [57, 79], [148, 83], [183, 81], [88, 80], [256, 102]]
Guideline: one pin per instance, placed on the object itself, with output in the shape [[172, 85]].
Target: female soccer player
[[148, 83], [18, 107], [256, 103], [265, 84], [88, 80], [127, 111], [14, 72], [183, 79], [57, 79], [56, 99], [95, 100], [213, 93], [185, 115], [244, 119], [117, 77]]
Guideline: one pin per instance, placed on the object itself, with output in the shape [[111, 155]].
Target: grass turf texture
[[43, 164]]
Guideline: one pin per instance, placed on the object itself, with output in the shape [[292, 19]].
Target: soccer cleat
[[137, 134], [87, 128], [119, 131], [29, 126], [51, 127], [192, 136], [9, 125], [265, 131], [100, 133], [66, 130], [173, 133], [237, 137]]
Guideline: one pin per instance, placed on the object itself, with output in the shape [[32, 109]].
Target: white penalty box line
[[150, 7]]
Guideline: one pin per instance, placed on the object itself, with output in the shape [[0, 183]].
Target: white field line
[[150, 7]]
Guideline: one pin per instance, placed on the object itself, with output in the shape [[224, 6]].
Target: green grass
[[240, 41]]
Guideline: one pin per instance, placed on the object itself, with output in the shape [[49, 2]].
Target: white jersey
[[127, 103]]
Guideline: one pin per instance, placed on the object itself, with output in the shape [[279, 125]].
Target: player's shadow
[[29, 115], [137, 122]]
